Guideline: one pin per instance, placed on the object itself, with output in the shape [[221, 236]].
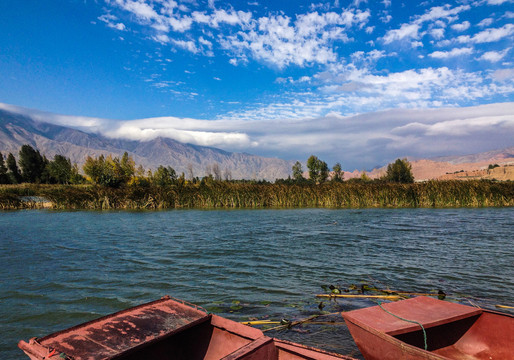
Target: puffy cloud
[[462, 26], [494, 56], [437, 33], [139, 8], [452, 53], [277, 40], [441, 12], [187, 45], [488, 35], [162, 38], [406, 31], [435, 14]]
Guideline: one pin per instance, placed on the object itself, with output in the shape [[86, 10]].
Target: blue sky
[[357, 81]]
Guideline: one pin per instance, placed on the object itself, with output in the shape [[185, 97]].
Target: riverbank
[[432, 194]]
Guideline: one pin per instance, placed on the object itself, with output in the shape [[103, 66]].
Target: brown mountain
[[17, 130], [473, 166]]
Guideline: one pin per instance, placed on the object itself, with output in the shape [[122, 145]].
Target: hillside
[[17, 130], [473, 166]]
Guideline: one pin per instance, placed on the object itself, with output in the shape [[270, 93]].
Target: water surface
[[63, 268]]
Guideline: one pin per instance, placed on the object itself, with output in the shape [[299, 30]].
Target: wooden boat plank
[[167, 329], [427, 311], [113, 334]]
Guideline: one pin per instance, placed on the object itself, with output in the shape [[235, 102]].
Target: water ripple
[[63, 268]]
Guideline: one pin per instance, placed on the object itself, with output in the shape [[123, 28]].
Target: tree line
[[399, 171], [32, 167], [110, 171]]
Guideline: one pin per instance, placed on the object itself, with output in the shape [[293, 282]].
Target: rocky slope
[[17, 130]]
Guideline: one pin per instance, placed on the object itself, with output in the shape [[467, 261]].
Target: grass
[[430, 194]]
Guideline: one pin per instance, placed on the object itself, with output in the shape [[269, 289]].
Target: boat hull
[[166, 329]]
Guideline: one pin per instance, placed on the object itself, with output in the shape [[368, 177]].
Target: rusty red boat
[[166, 329], [403, 329]]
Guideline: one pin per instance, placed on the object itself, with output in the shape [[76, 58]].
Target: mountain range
[[50, 139], [18, 129]]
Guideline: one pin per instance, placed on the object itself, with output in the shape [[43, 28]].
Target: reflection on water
[[62, 268]]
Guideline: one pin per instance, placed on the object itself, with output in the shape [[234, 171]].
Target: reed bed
[[432, 194]]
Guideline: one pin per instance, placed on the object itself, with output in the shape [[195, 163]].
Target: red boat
[[166, 329], [426, 328]]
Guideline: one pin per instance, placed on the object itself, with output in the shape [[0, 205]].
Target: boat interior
[[164, 330], [477, 337], [217, 338]]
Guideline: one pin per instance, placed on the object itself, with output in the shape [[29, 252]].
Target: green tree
[[128, 167], [14, 173], [59, 170], [75, 176], [338, 173], [164, 176], [31, 163], [298, 172], [4, 178], [318, 169], [400, 171]]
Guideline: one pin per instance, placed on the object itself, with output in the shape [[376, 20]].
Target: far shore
[[248, 195]]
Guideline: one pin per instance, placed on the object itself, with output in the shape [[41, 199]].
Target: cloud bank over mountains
[[361, 141]]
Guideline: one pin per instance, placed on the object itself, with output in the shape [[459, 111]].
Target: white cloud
[[277, 40], [462, 26], [180, 24], [205, 42], [441, 12], [361, 140], [437, 33], [406, 31], [139, 8], [485, 22], [435, 14], [111, 22], [497, 2], [488, 35], [187, 45], [494, 56], [503, 75], [162, 38], [452, 53]]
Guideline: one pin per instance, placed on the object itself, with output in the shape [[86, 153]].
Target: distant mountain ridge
[[50, 139], [17, 130]]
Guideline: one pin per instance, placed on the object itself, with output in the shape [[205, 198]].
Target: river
[[60, 268]]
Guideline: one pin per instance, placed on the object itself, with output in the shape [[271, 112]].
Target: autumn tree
[[109, 171]]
